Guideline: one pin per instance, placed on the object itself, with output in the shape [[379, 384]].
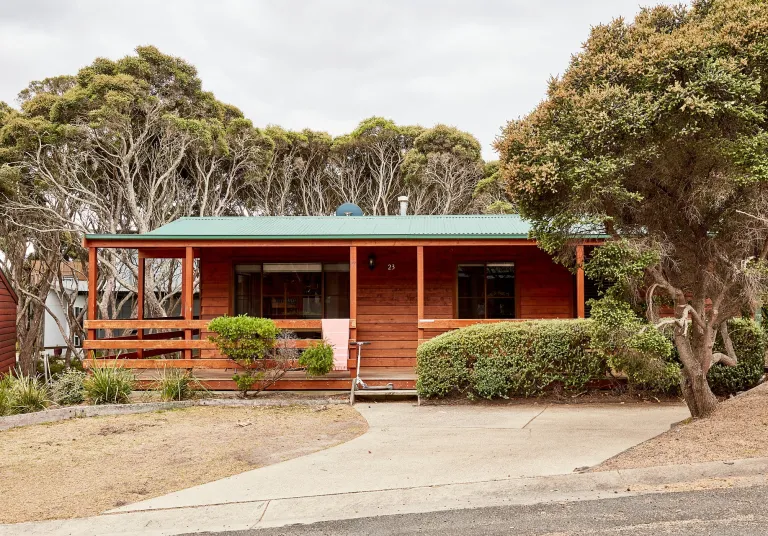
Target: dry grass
[[85, 466], [737, 429]]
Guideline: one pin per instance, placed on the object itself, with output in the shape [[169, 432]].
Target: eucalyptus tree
[[442, 170], [657, 134]]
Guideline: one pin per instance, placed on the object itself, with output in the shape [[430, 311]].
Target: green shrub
[[67, 389], [109, 385], [175, 384], [749, 343], [244, 339], [509, 359], [28, 394], [6, 398], [317, 359]]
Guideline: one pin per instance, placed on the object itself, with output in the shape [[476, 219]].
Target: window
[[248, 289], [486, 290], [292, 290]]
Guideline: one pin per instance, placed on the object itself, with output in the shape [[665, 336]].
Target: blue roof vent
[[349, 209]]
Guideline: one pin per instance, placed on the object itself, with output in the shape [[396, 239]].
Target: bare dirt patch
[[737, 429], [82, 467]]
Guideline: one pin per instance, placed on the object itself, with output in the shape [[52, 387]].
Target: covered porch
[[394, 293]]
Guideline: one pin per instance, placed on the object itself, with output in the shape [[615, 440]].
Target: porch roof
[[336, 228]]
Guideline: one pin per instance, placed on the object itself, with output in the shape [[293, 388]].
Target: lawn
[[737, 429], [82, 467]]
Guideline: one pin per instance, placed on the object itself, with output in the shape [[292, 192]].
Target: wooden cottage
[[8, 302], [398, 280]]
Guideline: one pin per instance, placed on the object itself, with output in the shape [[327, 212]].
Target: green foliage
[[68, 388], [509, 359], [109, 385], [244, 339], [749, 343], [317, 359], [247, 341], [22, 394], [246, 379], [175, 384], [632, 346]]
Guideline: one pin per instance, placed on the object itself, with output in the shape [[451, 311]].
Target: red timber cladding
[[217, 274], [544, 289], [386, 306], [7, 328]]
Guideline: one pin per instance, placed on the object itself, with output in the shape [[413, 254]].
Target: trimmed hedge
[[749, 342], [509, 359]]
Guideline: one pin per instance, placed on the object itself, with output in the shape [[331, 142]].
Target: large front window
[[292, 290], [486, 290]]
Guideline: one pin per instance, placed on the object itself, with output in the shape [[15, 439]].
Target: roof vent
[[349, 209], [403, 200]]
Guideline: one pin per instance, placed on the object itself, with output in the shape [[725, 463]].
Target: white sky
[[325, 65]]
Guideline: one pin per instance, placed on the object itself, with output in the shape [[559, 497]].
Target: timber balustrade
[[179, 339]]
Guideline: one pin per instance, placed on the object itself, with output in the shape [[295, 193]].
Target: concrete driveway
[[411, 446]]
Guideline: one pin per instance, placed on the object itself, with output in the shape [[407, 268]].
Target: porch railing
[[143, 348]]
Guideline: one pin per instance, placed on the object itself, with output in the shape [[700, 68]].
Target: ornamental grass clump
[[22, 394], [174, 384], [109, 385]]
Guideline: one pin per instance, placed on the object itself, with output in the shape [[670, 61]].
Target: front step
[[381, 393]]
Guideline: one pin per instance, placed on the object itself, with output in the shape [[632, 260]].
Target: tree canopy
[[656, 135], [128, 145]]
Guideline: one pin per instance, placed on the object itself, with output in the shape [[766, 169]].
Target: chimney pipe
[[403, 199]]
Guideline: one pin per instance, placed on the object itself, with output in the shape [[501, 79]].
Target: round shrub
[[509, 359], [67, 389], [317, 359], [749, 343]]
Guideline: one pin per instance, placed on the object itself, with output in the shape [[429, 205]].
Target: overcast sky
[[326, 65]]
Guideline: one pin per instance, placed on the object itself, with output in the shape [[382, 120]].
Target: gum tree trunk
[[696, 356]]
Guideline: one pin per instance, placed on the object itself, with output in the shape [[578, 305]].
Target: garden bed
[[82, 467], [738, 429]]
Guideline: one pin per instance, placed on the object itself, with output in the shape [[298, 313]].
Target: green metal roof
[[336, 227]]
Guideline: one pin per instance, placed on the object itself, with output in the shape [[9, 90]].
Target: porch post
[[140, 286], [580, 313], [187, 294], [93, 275], [420, 290], [353, 304]]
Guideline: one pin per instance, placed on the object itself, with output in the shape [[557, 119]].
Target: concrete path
[[413, 459], [409, 446]]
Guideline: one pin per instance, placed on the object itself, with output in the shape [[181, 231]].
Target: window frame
[[335, 267], [485, 265]]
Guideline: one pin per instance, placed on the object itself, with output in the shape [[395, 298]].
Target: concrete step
[[382, 394]]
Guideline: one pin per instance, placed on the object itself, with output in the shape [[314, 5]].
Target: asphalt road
[[730, 512]]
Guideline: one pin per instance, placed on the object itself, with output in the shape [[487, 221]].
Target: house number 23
[[390, 267]]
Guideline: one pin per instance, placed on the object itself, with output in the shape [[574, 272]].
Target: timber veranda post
[[187, 294], [353, 306], [140, 289], [93, 275], [580, 309], [420, 292]]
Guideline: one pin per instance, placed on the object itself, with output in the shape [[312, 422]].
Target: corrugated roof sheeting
[[340, 227]]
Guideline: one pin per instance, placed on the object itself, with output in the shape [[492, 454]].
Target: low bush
[[6, 398], [109, 385], [249, 341], [317, 360], [67, 389], [509, 359], [749, 342]]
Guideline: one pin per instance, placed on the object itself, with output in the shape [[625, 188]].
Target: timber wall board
[[7, 328]]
